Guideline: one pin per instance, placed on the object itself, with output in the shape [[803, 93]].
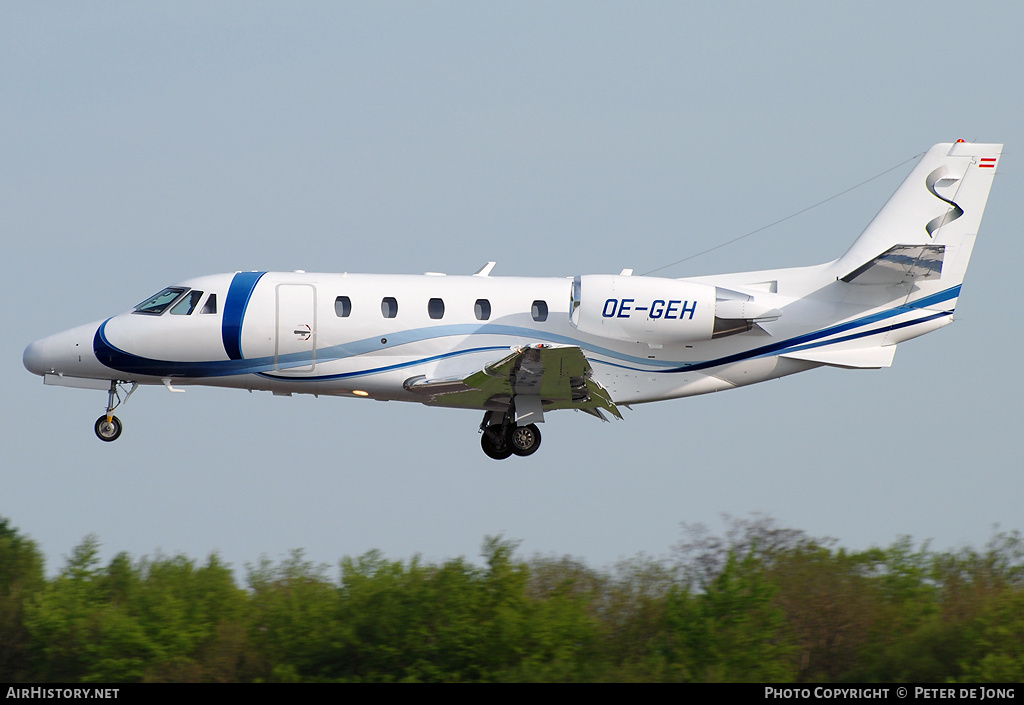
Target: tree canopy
[[759, 603]]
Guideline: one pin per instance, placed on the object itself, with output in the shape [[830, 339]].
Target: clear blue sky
[[146, 143]]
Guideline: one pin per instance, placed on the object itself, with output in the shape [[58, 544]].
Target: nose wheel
[[108, 428]]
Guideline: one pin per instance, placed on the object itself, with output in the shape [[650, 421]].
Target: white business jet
[[519, 347]]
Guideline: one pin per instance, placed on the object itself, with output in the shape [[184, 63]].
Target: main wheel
[[494, 443], [524, 440], [108, 430]]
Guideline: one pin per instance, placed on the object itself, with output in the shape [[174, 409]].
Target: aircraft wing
[[535, 378]]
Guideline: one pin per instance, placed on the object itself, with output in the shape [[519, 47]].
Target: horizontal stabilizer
[[857, 358], [900, 264]]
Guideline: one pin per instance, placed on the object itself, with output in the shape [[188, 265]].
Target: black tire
[[494, 443], [524, 440], [108, 431]]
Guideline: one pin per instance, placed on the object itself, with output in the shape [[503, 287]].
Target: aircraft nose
[[67, 353], [35, 358]]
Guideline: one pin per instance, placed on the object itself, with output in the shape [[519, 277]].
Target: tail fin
[[925, 233]]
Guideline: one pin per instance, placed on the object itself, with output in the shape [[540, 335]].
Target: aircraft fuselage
[[517, 347]]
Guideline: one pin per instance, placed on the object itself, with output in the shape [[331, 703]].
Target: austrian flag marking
[[989, 162]]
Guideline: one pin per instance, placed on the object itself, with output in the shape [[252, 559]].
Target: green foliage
[[161, 619], [21, 577], [432, 623], [633, 612], [66, 618], [561, 631], [999, 635], [733, 631], [194, 618], [760, 603], [995, 587], [832, 607], [294, 617]]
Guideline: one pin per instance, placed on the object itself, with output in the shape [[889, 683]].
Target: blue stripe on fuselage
[[386, 368], [124, 361], [234, 311]]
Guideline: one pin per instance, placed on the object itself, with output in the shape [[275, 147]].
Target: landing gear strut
[[108, 427], [501, 439]]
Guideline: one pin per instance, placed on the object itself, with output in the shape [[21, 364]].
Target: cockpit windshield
[[187, 304], [155, 305]]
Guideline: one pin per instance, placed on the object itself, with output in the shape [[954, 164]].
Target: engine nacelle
[[661, 311], [643, 309]]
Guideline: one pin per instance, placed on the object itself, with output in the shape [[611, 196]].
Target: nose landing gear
[[108, 427]]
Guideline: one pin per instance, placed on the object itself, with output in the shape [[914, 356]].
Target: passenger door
[[295, 349]]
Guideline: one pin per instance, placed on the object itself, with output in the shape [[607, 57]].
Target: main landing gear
[[503, 438], [108, 427]]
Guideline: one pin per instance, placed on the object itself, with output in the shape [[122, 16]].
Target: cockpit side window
[[187, 304], [211, 305], [155, 305]]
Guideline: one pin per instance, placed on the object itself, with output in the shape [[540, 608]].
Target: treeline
[[760, 603]]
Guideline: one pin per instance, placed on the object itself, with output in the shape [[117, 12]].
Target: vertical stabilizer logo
[[954, 211]]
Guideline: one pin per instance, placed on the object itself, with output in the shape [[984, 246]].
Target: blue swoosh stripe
[[124, 361], [801, 341], [386, 368], [239, 293], [867, 333]]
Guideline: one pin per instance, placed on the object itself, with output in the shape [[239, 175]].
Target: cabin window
[[389, 307], [539, 310], [482, 309], [435, 308], [211, 305], [187, 304], [157, 304], [343, 307]]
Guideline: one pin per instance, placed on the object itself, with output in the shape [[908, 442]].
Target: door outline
[[295, 325]]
